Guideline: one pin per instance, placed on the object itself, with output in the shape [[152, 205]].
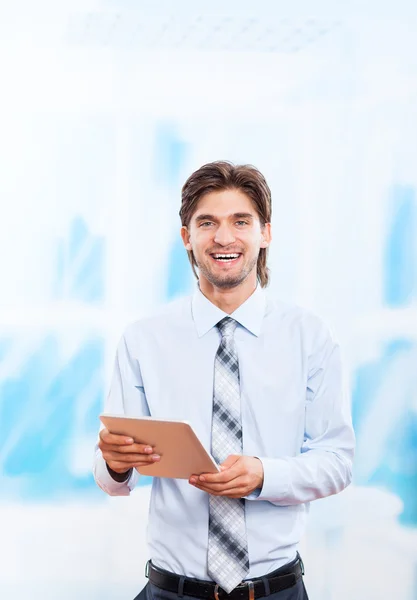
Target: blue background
[[108, 107]]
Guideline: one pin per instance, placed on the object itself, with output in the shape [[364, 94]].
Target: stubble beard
[[227, 282]]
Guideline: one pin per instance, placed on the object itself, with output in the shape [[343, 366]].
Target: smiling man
[[261, 383]]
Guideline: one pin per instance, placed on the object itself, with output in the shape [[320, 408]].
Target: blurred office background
[[106, 107]]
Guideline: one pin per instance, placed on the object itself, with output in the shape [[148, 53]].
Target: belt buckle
[[248, 584], [251, 588]]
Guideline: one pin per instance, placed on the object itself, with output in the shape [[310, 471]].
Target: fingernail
[[193, 480], [129, 441], [155, 457], [202, 478], [148, 449]]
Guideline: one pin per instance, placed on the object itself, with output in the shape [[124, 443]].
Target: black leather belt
[[281, 579]]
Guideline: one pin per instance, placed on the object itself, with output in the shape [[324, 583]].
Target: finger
[[238, 487], [123, 467], [240, 481], [224, 476], [229, 470], [217, 485], [130, 458], [128, 449], [234, 492], [114, 439], [230, 461]]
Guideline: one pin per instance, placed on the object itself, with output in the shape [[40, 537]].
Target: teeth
[[226, 255]]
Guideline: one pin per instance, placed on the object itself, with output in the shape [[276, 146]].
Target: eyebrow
[[200, 218]]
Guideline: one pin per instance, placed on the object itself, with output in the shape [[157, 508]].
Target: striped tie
[[228, 560]]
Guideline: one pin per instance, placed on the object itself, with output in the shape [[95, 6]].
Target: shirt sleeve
[[126, 397], [106, 482], [324, 465]]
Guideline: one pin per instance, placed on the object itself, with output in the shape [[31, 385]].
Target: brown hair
[[224, 175]]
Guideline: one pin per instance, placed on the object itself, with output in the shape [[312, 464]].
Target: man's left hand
[[238, 477]]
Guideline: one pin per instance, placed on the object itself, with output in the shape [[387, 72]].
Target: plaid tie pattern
[[228, 560]]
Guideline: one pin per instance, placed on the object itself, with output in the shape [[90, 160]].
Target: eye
[[241, 223], [205, 223]]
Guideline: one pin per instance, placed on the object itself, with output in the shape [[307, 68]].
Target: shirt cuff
[[109, 485], [253, 495], [119, 477], [277, 480]]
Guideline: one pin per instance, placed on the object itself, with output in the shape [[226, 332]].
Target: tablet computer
[[182, 453]]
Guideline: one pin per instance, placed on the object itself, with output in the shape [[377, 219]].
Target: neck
[[229, 299]]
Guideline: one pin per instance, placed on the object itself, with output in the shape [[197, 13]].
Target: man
[[261, 383]]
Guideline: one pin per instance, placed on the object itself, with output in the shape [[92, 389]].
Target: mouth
[[226, 258]]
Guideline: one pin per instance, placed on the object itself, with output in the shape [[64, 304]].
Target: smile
[[226, 258]]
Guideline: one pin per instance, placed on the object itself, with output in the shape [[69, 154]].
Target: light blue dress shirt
[[295, 418]]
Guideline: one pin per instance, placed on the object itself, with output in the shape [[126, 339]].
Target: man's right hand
[[121, 453]]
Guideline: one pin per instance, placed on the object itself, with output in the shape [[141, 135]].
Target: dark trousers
[[151, 592]]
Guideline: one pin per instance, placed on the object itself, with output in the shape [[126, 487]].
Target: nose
[[224, 235]]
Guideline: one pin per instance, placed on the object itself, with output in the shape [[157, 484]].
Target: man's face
[[225, 236]]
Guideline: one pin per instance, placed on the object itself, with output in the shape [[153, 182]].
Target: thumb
[[230, 461]]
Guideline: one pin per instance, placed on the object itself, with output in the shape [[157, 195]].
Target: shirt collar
[[250, 314]]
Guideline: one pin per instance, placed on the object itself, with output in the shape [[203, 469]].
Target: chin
[[226, 282]]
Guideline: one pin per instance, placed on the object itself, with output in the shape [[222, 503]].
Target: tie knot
[[227, 327]]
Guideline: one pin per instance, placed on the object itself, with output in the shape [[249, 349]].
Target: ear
[[266, 235], [186, 238]]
